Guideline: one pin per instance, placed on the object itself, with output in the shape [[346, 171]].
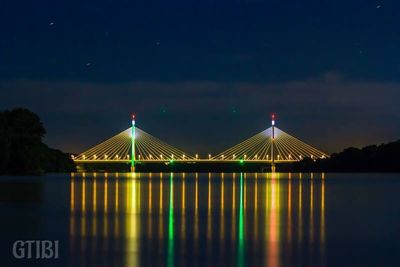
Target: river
[[204, 219]]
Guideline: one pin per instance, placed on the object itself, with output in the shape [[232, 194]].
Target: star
[[51, 23], [378, 6]]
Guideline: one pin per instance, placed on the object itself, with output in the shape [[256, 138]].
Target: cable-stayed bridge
[[135, 146], [119, 149]]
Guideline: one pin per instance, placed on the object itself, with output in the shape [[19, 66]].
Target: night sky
[[204, 75]]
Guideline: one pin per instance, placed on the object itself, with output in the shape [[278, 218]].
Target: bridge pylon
[[133, 145], [273, 143], [271, 146]]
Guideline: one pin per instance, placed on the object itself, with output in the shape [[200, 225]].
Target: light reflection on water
[[177, 219]]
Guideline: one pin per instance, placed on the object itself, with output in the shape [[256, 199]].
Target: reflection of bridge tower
[[115, 213]]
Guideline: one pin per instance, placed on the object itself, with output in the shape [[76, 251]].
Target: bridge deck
[[184, 161]]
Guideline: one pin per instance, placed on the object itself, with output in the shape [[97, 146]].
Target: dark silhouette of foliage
[[21, 148], [382, 158]]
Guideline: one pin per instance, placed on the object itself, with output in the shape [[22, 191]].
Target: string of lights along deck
[[135, 145]]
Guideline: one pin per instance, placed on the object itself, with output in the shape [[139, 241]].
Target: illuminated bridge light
[[139, 156], [183, 156], [161, 156], [209, 156], [197, 156], [84, 157], [95, 157], [105, 156], [222, 157], [245, 156], [127, 156]]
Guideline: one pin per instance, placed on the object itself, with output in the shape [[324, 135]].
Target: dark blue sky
[[203, 75]]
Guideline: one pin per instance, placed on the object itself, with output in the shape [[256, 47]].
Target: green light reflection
[[170, 259], [240, 262]]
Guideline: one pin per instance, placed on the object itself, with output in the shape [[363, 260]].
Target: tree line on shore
[[373, 158], [22, 150]]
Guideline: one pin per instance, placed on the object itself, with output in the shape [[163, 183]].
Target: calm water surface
[[206, 219]]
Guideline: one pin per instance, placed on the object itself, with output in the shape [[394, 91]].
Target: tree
[[22, 150]]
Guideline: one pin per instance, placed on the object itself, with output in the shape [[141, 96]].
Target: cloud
[[84, 97], [342, 111]]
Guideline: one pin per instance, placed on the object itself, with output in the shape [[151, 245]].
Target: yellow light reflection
[[255, 219], [196, 213], [94, 222], [105, 196], [94, 196], [116, 196], [83, 195], [160, 218], [289, 222], [183, 193], [150, 195], [183, 219], [300, 219], [271, 229], [222, 220], [83, 223], [105, 220], [72, 194], [72, 208], [209, 215], [150, 217], [116, 224], [161, 194], [132, 223], [312, 210], [274, 223], [197, 194], [322, 223]]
